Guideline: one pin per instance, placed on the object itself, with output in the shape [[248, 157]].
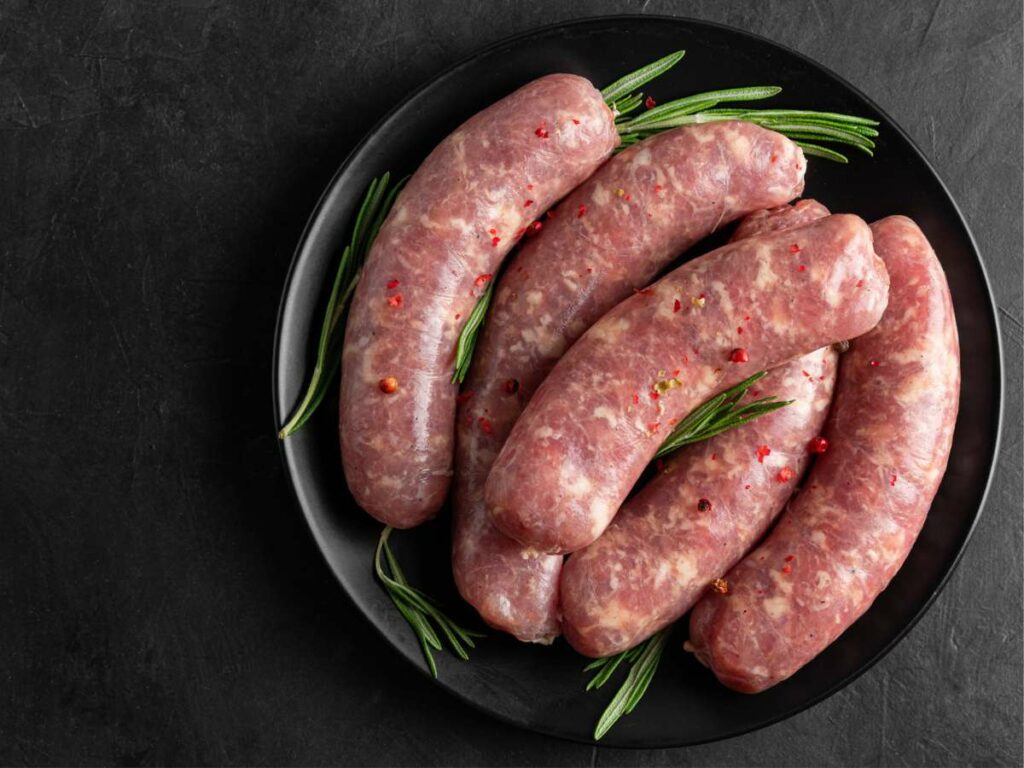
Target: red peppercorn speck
[[818, 445]]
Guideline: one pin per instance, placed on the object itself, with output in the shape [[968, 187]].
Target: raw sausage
[[601, 414], [447, 234], [639, 211], [706, 506], [844, 537]]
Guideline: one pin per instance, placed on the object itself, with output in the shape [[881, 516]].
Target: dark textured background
[[160, 599]]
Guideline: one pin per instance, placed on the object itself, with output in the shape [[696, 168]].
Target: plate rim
[[291, 467]]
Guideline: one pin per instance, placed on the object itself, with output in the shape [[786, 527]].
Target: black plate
[[541, 688]]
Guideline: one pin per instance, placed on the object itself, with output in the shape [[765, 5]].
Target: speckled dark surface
[[160, 599]]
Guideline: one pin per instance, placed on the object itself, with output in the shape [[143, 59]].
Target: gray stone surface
[[160, 599]]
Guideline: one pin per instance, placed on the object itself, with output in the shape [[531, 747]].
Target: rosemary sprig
[[418, 609], [808, 128], [372, 211], [643, 660], [719, 414]]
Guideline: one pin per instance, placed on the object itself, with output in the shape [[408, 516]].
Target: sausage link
[[706, 506], [846, 534], [447, 234], [601, 414], [639, 211]]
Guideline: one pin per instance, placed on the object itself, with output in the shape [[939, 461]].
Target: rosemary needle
[[467, 338], [625, 85]]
